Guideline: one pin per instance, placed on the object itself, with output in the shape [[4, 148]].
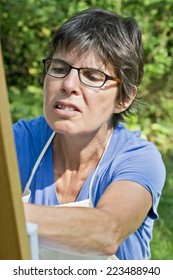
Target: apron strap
[[27, 190]]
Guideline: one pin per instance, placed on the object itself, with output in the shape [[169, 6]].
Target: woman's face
[[73, 108]]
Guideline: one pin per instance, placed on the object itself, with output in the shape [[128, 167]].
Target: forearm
[[76, 229]]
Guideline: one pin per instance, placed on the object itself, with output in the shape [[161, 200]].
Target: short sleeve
[[143, 164]]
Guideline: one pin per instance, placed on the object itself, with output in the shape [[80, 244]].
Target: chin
[[61, 128], [66, 127]]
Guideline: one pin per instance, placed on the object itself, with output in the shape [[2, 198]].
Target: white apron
[[52, 254]]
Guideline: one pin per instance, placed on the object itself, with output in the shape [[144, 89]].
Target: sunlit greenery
[[26, 27]]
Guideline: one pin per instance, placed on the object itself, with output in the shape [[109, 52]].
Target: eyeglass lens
[[87, 76]]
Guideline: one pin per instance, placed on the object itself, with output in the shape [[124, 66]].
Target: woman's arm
[[99, 231]]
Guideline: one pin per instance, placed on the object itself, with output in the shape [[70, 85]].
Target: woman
[[80, 152]]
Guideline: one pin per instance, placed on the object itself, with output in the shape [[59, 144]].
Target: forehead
[[73, 57], [89, 59]]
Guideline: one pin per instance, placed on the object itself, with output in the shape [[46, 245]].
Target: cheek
[[101, 108], [46, 85], [107, 102], [48, 91], [45, 97]]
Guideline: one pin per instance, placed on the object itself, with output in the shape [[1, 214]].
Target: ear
[[121, 107]]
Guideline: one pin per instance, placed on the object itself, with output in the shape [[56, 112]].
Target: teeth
[[59, 106], [66, 108], [69, 108]]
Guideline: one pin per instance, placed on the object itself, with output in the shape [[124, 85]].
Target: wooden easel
[[14, 243]]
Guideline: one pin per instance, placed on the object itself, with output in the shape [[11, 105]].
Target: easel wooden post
[[14, 243]]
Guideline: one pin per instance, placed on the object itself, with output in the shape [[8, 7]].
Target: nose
[[71, 82]]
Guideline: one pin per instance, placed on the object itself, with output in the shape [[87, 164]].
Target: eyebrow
[[83, 67]]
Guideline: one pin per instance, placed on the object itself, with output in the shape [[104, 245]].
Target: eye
[[58, 69], [93, 75]]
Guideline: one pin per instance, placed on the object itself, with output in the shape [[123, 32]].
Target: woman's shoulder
[[33, 131], [132, 152], [136, 157], [35, 126], [31, 125], [131, 139]]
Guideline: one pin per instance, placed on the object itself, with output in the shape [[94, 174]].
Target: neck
[[72, 152]]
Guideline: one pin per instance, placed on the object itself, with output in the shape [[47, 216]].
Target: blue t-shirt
[[128, 157]]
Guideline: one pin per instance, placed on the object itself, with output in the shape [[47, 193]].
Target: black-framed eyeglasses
[[88, 76]]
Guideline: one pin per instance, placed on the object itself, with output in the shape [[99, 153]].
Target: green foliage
[[26, 27], [162, 245]]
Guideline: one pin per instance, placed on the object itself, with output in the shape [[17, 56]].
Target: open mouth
[[66, 108]]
